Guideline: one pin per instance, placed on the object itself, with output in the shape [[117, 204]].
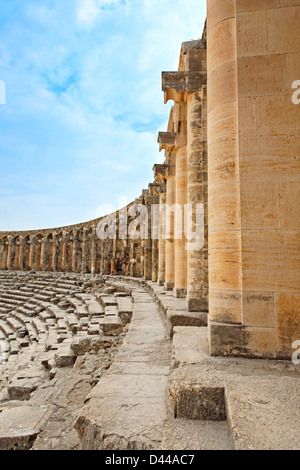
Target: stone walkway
[[135, 389]]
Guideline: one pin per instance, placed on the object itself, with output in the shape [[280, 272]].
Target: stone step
[[108, 300], [127, 408], [92, 304], [249, 394], [26, 381], [7, 330], [263, 412], [80, 308], [186, 434], [26, 311], [20, 426]]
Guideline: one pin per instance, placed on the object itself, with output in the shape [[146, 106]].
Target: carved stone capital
[[157, 188], [160, 170], [166, 141], [176, 85]]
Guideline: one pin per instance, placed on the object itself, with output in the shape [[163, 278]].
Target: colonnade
[[79, 250], [183, 251]]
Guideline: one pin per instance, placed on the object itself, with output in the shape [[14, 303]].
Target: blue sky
[[83, 102]]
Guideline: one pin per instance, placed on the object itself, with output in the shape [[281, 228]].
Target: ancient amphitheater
[[175, 323]]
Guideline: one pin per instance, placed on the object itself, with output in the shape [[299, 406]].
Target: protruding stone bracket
[[160, 171], [176, 85], [157, 188], [166, 141]]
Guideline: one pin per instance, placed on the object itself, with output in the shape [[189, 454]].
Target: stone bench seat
[[111, 310], [40, 325], [15, 347], [108, 300], [92, 304], [15, 323], [17, 293], [27, 321], [27, 289], [9, 301], [4, 310], [7, 330], [79, 306], [26, 311]]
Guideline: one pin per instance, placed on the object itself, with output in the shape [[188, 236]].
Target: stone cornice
[[160, 170], [176, 85], [166, 141], [157, 188]]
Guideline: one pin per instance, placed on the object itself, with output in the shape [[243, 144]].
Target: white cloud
[[88, 11]]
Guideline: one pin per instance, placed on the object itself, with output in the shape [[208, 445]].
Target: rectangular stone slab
[[20, 426]]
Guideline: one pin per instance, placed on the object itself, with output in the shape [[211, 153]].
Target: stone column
[[102, 242], [32, 250], [177, 86], [93, 251], [3, 248], [159, 248], [11, 252], [21, 259], [166, 141], [170, 246], [54, 255], [254, 180], [84, 262], [155, 189], [44, 246], [147, 243], [63, 250], [197, 264], [162, 240], [179, 234], [75, 240]]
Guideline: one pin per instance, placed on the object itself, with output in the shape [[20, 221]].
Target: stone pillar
[[197, 263], [179, 233], [93, 250], [155, 189], [32, 250], [11, 252], [178, 86], [21, 259], [84, 261], [3, 255], [162, 240], [63, 250], [254, 180], [147, 243], [75, 247], [166, 142], [102, 242], [170, 246], [54, 254], [44, 247]]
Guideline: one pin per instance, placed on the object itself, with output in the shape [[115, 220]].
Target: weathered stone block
[[20, 426]]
